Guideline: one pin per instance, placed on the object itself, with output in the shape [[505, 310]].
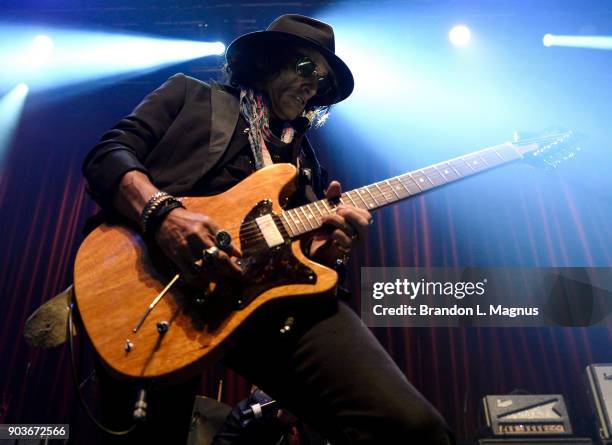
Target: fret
[[494, 150], [398, 188], [317, 207], [410, 184], [507, 152], [316, 218], [382, 193], [312, 216], [447, 172], [380, 190], [324, 201], [434, 176], [287, 225], [351, 199], [294, 228], [475, 162], [308, 217], [368, 205], [297, 221], [483, 159], [371, 195], [364, 204], [303, 219], [492, 158], [462, 167], [421, 180], [292, 219], [388, 190]]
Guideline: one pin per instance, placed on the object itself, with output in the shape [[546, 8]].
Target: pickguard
[[263, 268], [266, 268]]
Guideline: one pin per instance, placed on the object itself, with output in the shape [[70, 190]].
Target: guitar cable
[[78, 388]]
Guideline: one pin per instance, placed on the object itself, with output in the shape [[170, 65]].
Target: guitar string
[[251, 232], [251, 228], [542, 139]]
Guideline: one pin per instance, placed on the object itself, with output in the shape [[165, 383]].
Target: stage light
[[410, 83], [460, 35], [144, 52], [41, 51], [11, 106], [594, 42], [22, 89], [78, 56], [547, 40]]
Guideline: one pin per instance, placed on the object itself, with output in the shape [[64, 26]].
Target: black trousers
[[329, 370], [332, 373]]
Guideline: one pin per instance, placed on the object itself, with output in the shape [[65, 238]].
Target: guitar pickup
[[269, 230]]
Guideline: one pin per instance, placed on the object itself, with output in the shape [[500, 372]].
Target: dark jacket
[[175, 135]]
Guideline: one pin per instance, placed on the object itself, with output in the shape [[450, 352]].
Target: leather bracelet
[[157, 218]]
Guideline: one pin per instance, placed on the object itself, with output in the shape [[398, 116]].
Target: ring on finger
[[211, 254]]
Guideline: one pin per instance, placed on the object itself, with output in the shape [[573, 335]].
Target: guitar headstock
[[549, 150]]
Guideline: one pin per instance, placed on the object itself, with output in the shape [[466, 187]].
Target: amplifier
[[526, 415], [537, 441], [599, 389]]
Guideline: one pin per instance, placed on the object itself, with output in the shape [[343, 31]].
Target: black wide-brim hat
[[300, 31]]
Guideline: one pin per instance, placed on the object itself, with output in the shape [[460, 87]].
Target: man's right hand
[[183, 236]]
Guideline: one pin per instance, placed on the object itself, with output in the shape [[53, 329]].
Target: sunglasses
[[305, 67]]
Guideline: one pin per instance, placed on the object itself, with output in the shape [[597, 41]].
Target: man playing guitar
[[188, 138]]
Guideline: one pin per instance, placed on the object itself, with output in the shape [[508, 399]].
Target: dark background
[[43, 206]]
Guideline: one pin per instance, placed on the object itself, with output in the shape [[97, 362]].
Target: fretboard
[[301, 220]]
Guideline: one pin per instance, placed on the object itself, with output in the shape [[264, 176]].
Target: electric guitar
[[144, 324]]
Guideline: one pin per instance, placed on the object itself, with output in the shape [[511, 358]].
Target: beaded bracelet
[[150, 208]]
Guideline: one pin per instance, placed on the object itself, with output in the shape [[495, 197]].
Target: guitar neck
[[301, 220]]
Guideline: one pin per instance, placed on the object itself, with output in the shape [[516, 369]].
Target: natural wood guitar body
[[116, 278]]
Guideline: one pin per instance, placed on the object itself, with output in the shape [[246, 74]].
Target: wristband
[[151, 207], [157, 218]]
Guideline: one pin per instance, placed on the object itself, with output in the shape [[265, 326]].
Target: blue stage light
[[547, 40], [594, 42], [41, 51], [21, 90], [79, 56], [11, 106], [460, 35]]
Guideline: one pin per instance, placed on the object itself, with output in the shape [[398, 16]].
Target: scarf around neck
[[255, 110]]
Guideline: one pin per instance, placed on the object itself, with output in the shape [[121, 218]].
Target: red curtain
[[44, 205]]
